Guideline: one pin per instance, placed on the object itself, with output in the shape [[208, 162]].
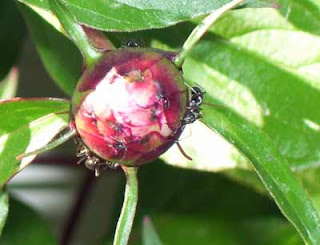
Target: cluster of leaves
[[260, 65]]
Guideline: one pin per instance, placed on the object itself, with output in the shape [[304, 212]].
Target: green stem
[[201, 29], [75, 32], [128, 210], [63, 138]]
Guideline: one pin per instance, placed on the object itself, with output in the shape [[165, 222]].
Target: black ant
[[193, 112], [92, 161], [133, 44]]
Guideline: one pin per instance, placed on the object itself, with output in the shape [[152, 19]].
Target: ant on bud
[[193, 112]]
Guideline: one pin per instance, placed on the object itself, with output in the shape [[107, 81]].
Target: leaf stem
[[75, 32], [63, 138], [128, 210], [201, 29]]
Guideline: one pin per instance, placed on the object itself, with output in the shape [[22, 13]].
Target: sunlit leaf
[[27, 125], [131, 15], [304, 14], [208, 150], [262, 82], [255, 69]]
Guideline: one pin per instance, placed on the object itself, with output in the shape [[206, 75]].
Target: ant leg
[[183, 152], [81, 150], [99, 170], [112, 165], [82, 159]]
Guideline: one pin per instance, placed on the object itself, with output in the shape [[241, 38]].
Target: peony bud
[[129, 107]]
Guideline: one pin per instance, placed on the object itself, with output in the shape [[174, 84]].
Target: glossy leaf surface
[[254, 64], [271, 85], [28, 125], [128, 15], [304, 14], [249, 70]]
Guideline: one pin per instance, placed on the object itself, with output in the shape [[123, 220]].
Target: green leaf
[[4, 208], [130, 15], [8, 86], [310, 179], [60, 57], [24, 226], [257, 71], [225, 155], [149, 235], [175, 229], [269, 85], [271, 167], [249, 34], [304, 14], [272, 85], [28, 125], [11, 36]]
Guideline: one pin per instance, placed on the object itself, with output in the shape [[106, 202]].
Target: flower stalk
[[75, 32], [128, 210]]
